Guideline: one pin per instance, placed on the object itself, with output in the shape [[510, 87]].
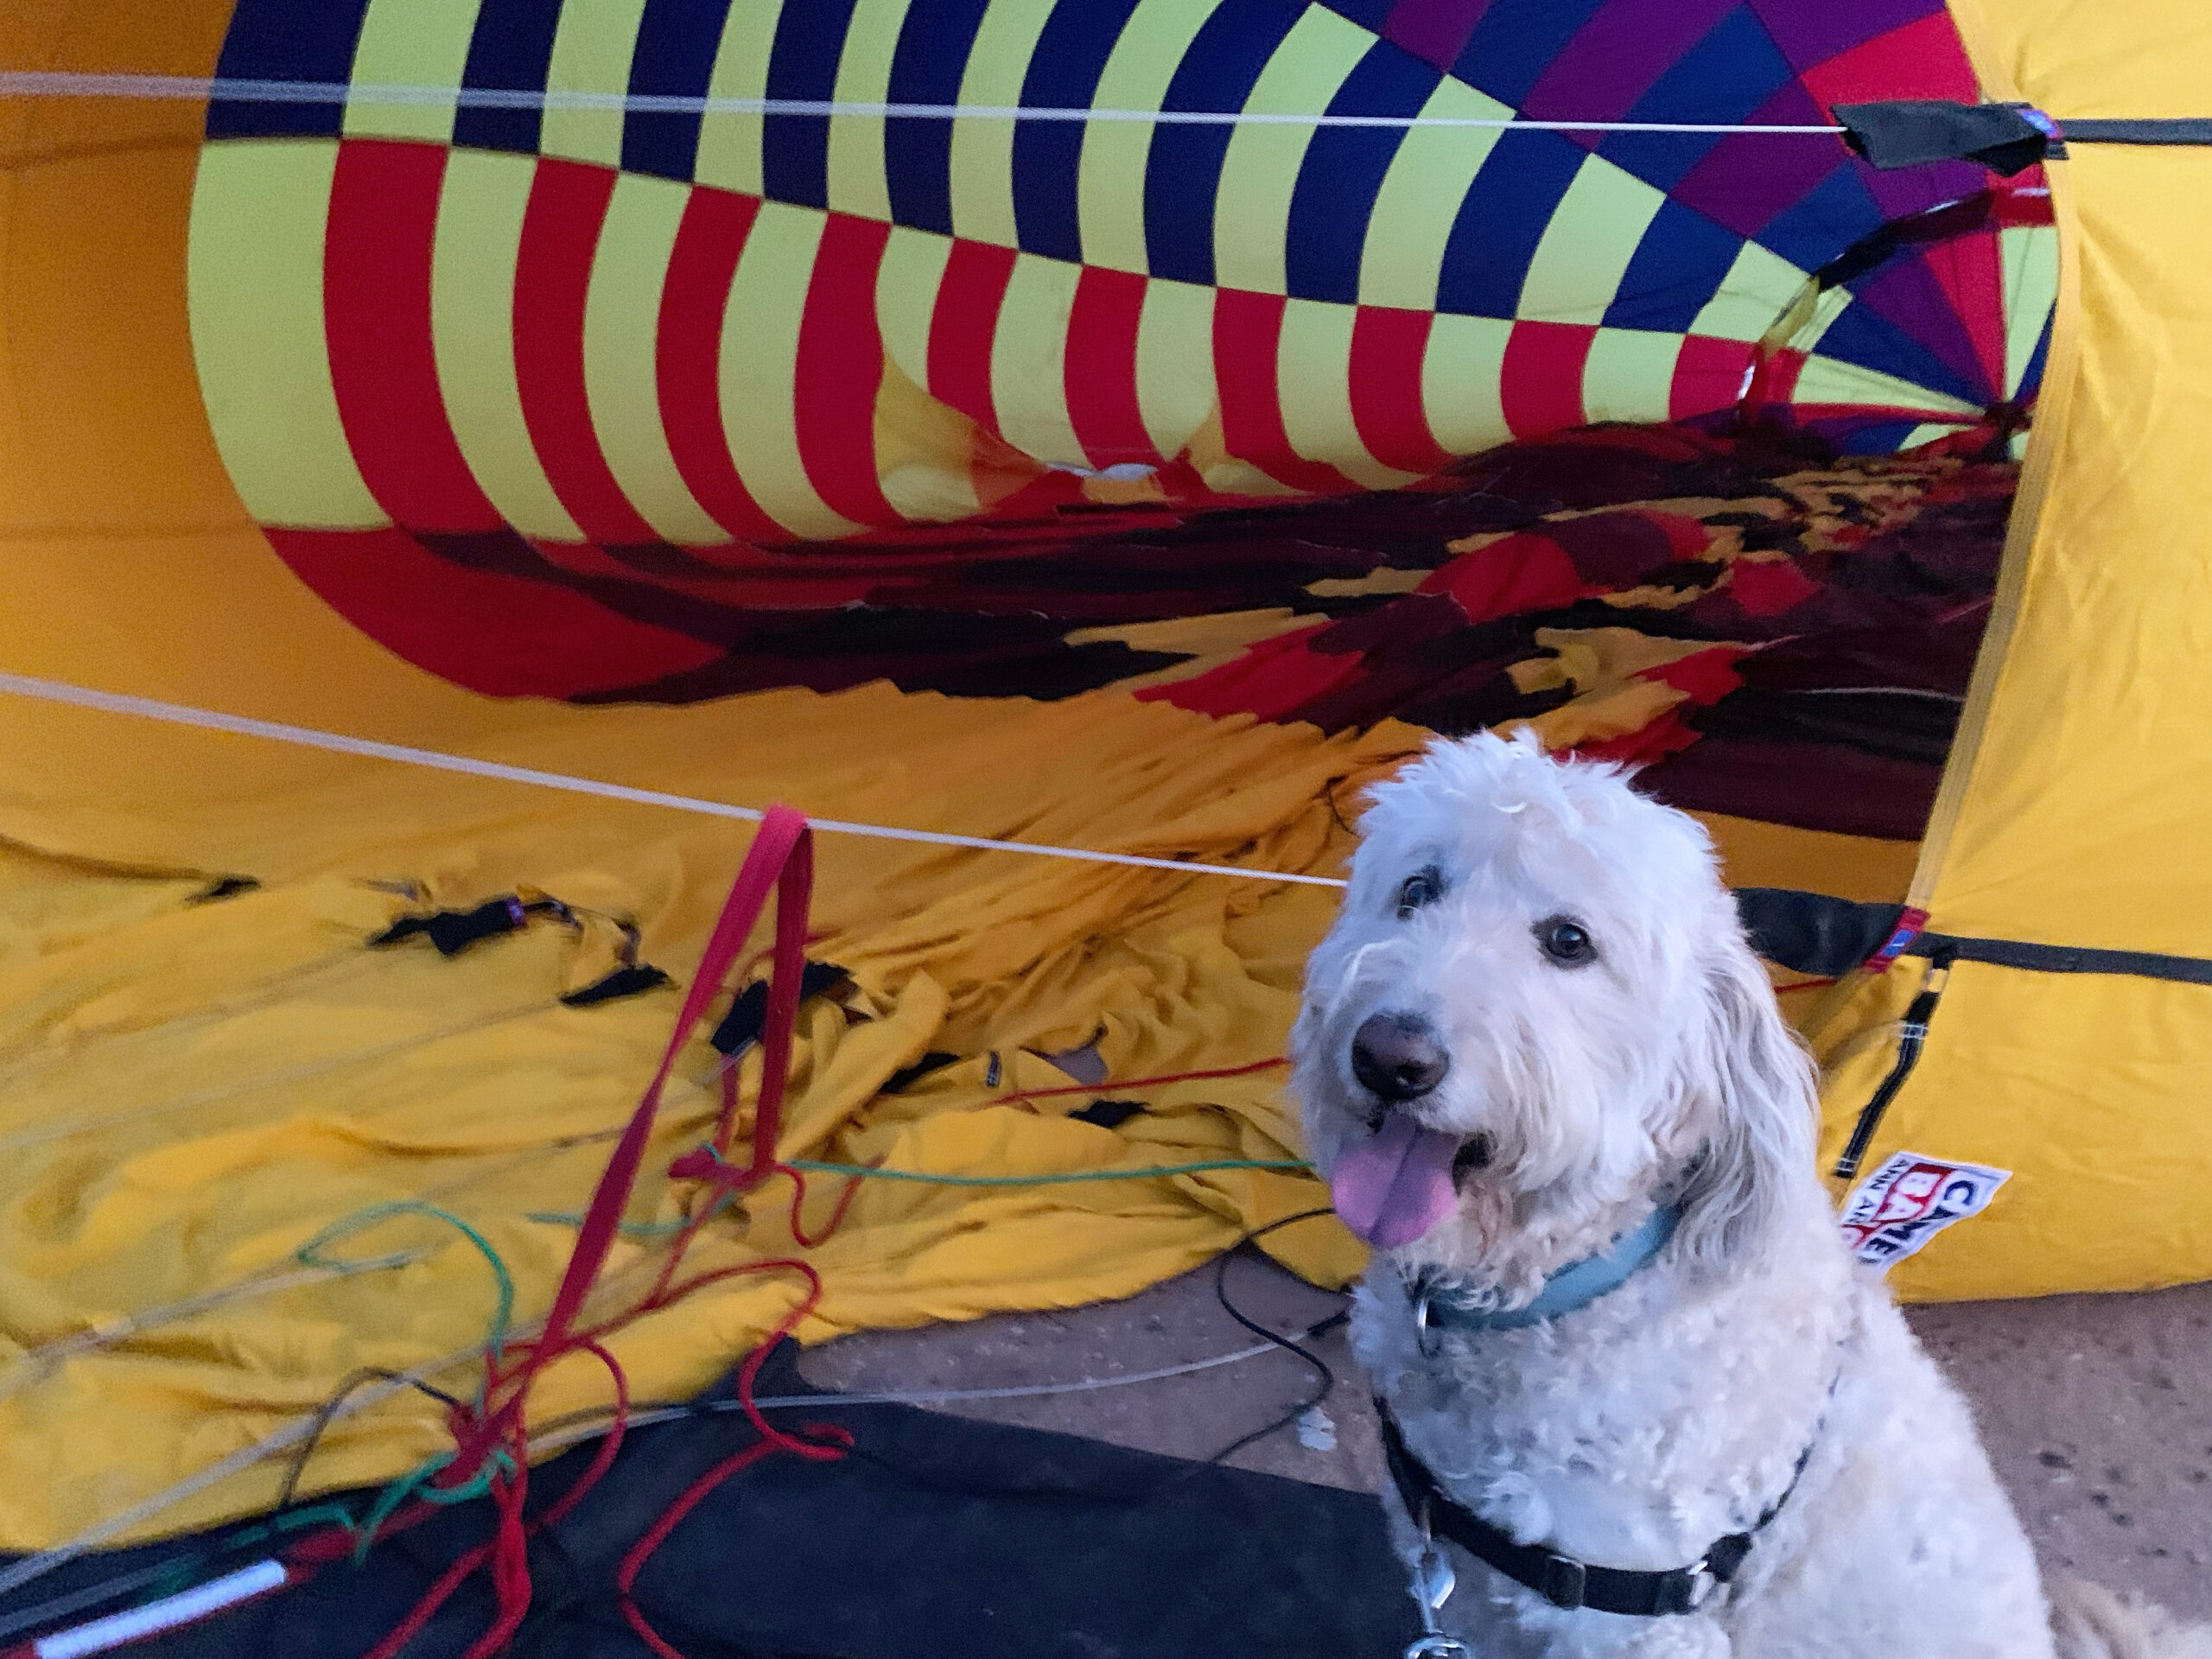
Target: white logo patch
[[1909, 1199]]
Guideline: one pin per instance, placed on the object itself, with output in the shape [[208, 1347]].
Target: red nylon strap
[[781, 857]]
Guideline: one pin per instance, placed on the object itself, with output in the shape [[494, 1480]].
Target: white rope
[[36, 1364], [38, 1566], [21, 83], [169, 1613], [177, 714], [925, 1397]]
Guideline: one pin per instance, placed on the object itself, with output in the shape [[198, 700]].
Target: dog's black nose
[[1398, 1057]]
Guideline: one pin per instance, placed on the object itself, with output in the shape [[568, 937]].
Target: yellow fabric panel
[[982, 146], [760, 364], [592, 45], [1109, 184], [1760, 854], [2030, 256], [729, 145], [256, 242], [1029, 388], [1830, 380], [102, 185], [1414, 211], [473, 253], [1313, 386], [1259, 174], [1176, 391], [857, 181], [2146, 58], [1587, 244], [2054, 1078], [1757, 289], [622, 363], [926, 452], [906, 284], [409, 43], [1461, 373], [2087, 812], [1630, 374]]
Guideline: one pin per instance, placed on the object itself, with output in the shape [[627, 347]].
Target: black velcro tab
[[2007, 138], [623, 982], [1811, 933], [748, 1015]]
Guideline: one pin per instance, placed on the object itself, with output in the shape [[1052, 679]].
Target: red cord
[[824, 1443], [781, 860], [1147, 1083]]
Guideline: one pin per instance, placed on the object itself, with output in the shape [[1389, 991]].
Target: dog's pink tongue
[[1394, 1188]]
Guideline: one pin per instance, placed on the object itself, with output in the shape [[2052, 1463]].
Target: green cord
[[415, 1482], [663, 1229], [309, 1254], [636, 1229]]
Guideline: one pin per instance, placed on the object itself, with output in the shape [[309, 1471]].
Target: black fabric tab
[[228, 886], [454, 931], [1811, 933], [1912, 132], [906, 1076], [623, 982], [1109, 1114], [748, 1015], [2063, 958], [2145, 131]]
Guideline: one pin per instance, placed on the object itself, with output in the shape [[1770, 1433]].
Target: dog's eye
[[1422, 887], [1566, 941]]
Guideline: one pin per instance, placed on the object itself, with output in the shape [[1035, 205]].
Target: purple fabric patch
[[1616, 57], [1904, 292], [1435, 31], [1744, 182], [1912, 189], [1825, 786], [1810, 32]]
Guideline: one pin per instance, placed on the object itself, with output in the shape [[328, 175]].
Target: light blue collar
[[1571, 1287]]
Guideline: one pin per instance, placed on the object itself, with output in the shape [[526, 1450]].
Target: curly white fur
[[1638, 1430]]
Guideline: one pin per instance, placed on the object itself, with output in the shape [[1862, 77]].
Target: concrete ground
[[2097, 1410]]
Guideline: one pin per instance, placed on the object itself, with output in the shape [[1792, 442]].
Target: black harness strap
[[1561, 1580]]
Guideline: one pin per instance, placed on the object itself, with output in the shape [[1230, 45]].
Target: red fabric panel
[[1269, 680], [1101, 367], [376, 285], [1668, 734], [560, 234], [1540, 383], [687, 349], [1388, 344], [502, 635], [1708, 376], [841, 370], [1925, 58], [965, 324], [1247, 339], [1769, 587], [1526, 572], [1705, 676]]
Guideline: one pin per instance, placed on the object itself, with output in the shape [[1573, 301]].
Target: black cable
[[1327, 1377], [324, 1413]]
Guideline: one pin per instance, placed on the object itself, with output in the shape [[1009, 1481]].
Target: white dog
[[1536, 1040]]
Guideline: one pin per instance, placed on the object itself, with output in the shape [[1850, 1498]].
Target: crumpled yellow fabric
[[190, 1091]]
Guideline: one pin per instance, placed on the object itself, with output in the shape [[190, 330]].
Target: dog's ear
[[1752, 1088]]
